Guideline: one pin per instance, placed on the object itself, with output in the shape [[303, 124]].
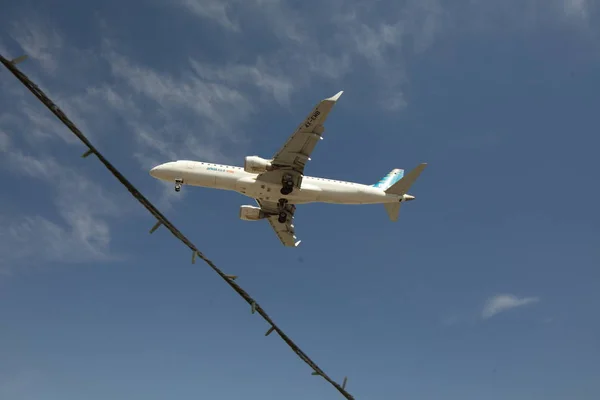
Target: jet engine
[[256, 165], [250, 213]]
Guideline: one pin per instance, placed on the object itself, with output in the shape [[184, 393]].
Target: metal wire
[[162, 220]]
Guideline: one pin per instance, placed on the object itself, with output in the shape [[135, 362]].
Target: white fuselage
[[312, 190]]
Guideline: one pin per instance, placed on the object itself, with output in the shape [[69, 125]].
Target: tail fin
[[392, 177], [401, 187]]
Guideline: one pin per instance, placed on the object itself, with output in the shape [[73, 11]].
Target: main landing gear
[[178, 183], [282, 214], [288, 184]]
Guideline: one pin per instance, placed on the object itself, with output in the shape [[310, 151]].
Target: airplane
[[279, 184]]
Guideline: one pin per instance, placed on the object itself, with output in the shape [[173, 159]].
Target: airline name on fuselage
[[230, 171]]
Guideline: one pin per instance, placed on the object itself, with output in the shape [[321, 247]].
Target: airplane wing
[[285, 232], [294, 154]]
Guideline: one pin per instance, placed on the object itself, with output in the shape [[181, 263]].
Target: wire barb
[[87, 153], [156, 226], [19, 59], [37, 92]]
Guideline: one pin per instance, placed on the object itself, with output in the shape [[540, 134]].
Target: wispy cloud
[[4, 141], [504, 302], [523, 15], [208, 102], [349, 33], [79, 233], [215, 10], [381, 35], [78, 230], [2, 48], [39, 41], [260, 75], [75, 225], [577, 8]]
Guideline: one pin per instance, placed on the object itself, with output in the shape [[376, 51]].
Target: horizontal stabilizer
[[403, 185], [393, 210]]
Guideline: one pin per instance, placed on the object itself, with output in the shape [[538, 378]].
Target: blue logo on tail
[[392, 177]]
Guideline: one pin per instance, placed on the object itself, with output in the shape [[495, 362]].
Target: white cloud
[[505, 302], [42, 124], [577, 8], [381, 35], [3, 50], [215, 10], [526, 15], [188, 117], [79, 233], [39, 41], [210, 101], [4, 141], [29, 240], [350, 35], [260, 75]]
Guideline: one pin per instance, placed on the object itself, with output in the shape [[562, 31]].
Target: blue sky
[[486, 287]]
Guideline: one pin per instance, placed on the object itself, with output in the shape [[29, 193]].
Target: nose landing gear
[[178, 183]]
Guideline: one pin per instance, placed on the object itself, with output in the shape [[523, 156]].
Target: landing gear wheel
[[288, 185], [281, 204], [282, 217], [178, 183]]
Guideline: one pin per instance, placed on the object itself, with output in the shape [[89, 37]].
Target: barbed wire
[[162, 220]]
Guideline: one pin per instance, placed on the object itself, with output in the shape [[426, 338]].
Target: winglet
[[335, 97]]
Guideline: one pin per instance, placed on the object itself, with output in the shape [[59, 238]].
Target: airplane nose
[[155, 171]]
